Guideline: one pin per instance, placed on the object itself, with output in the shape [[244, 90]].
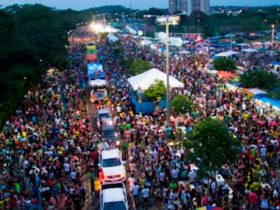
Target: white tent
[[184, 52], [257, 45], [112, 38], [227, 54], [131, 30], [249, 50], [256, 91], [97, 83], [176, 42], [146, 79], [243, 44], [146, 42]]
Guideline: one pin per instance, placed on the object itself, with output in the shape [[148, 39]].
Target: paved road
[[92, 203]]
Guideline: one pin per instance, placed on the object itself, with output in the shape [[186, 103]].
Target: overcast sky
[[136, 4]]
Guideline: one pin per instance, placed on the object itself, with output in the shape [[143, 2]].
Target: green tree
[[181, 104], [138, 66], [32, 38], [259, 78], [155, 11], [225, 64], [211, 145], [208, 31], [155, 91]]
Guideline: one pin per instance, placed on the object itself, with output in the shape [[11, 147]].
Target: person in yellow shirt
[[255, 186], [97, 186]]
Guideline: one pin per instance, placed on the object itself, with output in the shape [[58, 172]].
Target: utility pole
[[167, 75], [272, 35]]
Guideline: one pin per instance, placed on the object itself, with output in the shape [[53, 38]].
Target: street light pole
[[272, 35], [167, 75], [167, 21]]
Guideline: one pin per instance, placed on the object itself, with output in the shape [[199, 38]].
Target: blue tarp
[[95, 71], [273, 102], [275, 63], [146, 107]]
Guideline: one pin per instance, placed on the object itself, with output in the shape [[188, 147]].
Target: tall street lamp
[[167, 21], [272, 35]]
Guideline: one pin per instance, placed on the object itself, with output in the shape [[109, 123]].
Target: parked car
[[113, 197], [111, 166]]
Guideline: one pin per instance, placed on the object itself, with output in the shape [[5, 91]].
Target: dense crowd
[[48, 140], [160, 173], [44, 143]]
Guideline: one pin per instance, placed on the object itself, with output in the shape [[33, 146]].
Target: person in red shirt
[[253, 199]]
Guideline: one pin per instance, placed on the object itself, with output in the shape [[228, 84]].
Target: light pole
[[167, 21], [272, 35]]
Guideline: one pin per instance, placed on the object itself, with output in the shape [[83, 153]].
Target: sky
[[135, 4]]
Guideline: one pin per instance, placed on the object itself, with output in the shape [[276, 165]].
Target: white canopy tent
[[173, 41], [227, 54], [112, 38], [146, 79], [176, 42], [97, 83], [256, 91], [249, 50], [184, 52], [257, 45], [146, 42], [243, 44], [131, 30]]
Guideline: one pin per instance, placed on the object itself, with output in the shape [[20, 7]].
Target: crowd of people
[[45, 141], [161, 174], [49, 139]]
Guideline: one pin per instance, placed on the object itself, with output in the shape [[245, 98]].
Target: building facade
[[189, 6], [198, 5], [173, 6]]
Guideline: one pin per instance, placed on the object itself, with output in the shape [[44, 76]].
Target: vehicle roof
[[113, 153], [103, 111], [108, 128], [113, 195]]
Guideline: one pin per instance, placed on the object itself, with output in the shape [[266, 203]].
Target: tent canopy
[[146, 79], [97, 83], [227, 54], [184, 52], [112, 38], [249, 50], [256, 91]]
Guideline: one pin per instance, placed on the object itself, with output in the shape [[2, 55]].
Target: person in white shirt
[[192, 176], [66, 166], [73, 175]]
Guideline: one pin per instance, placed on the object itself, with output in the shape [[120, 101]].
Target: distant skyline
[[135, 4]]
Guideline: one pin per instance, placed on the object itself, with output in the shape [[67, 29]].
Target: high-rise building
[[173, 6], [188, 6], [184, 6], [198, 5]]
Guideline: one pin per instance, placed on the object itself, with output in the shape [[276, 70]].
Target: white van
[[113, 197]]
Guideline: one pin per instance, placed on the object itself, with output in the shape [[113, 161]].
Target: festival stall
[[249, 51], [112, 38], [142, 82], [227, 54]]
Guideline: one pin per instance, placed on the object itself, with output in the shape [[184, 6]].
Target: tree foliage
[[137, 66], [181, 104], [211, 145], [32, 38], [155, 91], [259, 79], [225, 64]]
